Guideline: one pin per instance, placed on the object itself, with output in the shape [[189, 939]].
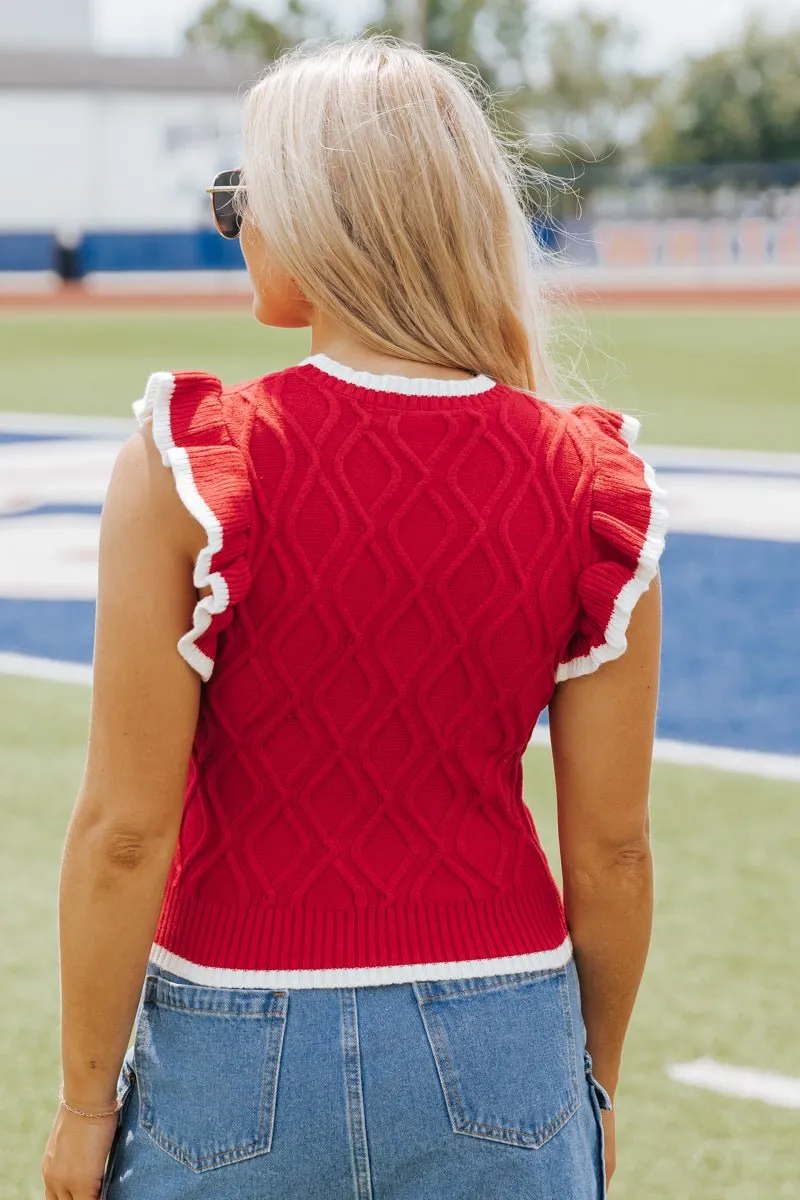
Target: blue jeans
[[460, 1089]]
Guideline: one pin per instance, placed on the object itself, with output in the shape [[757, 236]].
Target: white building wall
[[46, 24], [116, 160]]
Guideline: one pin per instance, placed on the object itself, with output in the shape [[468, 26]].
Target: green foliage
[[740, 104], [592, 89], [574, 77], [226, 25], [574, 74]]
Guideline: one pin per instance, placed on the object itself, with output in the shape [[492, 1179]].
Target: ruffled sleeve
[[627, 527], [190, 431]]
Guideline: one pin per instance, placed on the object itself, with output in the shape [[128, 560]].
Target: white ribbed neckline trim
[[326, 977], [399, 384]]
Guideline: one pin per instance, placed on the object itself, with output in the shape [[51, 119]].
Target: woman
[[300, 862]]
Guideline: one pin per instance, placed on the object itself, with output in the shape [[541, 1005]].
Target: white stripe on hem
[[327, 977]]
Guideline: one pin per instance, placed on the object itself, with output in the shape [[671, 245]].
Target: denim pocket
[[504, 1047], [206, 1063]]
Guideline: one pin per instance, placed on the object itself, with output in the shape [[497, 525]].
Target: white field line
[[745, 1083], [783, 767], [44, 668], [723, 758], [699, 458], [45, 423]]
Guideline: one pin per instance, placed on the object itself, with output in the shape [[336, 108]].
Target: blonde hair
[[381, 186]]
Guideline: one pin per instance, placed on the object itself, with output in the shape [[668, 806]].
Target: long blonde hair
[[381, 186]]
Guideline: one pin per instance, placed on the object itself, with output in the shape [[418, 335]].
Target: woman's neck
[[334, 341]]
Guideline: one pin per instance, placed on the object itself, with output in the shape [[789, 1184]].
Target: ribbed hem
[[327, 977], [374, 945]]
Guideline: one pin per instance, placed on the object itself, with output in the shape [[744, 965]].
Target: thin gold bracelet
[[109, 1112]]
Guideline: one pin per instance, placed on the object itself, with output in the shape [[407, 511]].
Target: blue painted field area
[[731, 671], [58, 629], [731, 675]]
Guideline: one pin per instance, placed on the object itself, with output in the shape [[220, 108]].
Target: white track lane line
[[745, 1083], [28, 667], [116, 428], [783, 767]]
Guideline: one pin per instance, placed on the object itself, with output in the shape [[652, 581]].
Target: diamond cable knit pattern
[[401, 570]]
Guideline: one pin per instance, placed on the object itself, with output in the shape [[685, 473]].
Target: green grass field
[[705, 378], [722, 980]]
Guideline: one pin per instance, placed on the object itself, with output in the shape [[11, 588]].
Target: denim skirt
[[452, 1089]]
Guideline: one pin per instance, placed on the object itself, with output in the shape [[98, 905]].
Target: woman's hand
[[610, 1138], [75, 1157]]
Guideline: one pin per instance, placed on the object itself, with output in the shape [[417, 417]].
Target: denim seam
[[163, 993], [269, 1094], [600, 1091], [449, 989], [601, 1134], [569, 1023], [212, 1012], [124, 1095], [197, 1162], [354, 1094]]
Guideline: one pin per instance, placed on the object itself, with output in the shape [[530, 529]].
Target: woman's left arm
[[124, 826]]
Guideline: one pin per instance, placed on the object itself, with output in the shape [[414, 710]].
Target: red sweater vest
[[401, 571]]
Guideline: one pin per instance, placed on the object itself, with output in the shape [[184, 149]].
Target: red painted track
[[73, 296]]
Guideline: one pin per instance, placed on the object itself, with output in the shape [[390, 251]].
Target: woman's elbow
[[610, 863], [634, 856], [120, 847]]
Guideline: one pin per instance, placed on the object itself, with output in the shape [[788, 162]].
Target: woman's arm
[[602, 729], [124, 826]]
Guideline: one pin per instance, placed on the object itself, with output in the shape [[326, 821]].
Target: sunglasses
[[226, 218]]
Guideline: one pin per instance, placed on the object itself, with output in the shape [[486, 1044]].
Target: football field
[[709, 1105]]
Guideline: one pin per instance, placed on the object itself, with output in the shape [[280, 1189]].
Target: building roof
[[43, 70]]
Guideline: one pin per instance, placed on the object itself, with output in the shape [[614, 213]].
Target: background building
[[100, 142], [66, 24]]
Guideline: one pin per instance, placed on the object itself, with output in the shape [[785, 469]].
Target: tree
[[591, 93], [493, 35], [573, 75], [226, 25], [740, 104]]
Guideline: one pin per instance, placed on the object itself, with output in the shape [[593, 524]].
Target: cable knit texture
[[398, 580]]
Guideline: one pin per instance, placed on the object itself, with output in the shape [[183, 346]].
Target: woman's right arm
[[602, 727]]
